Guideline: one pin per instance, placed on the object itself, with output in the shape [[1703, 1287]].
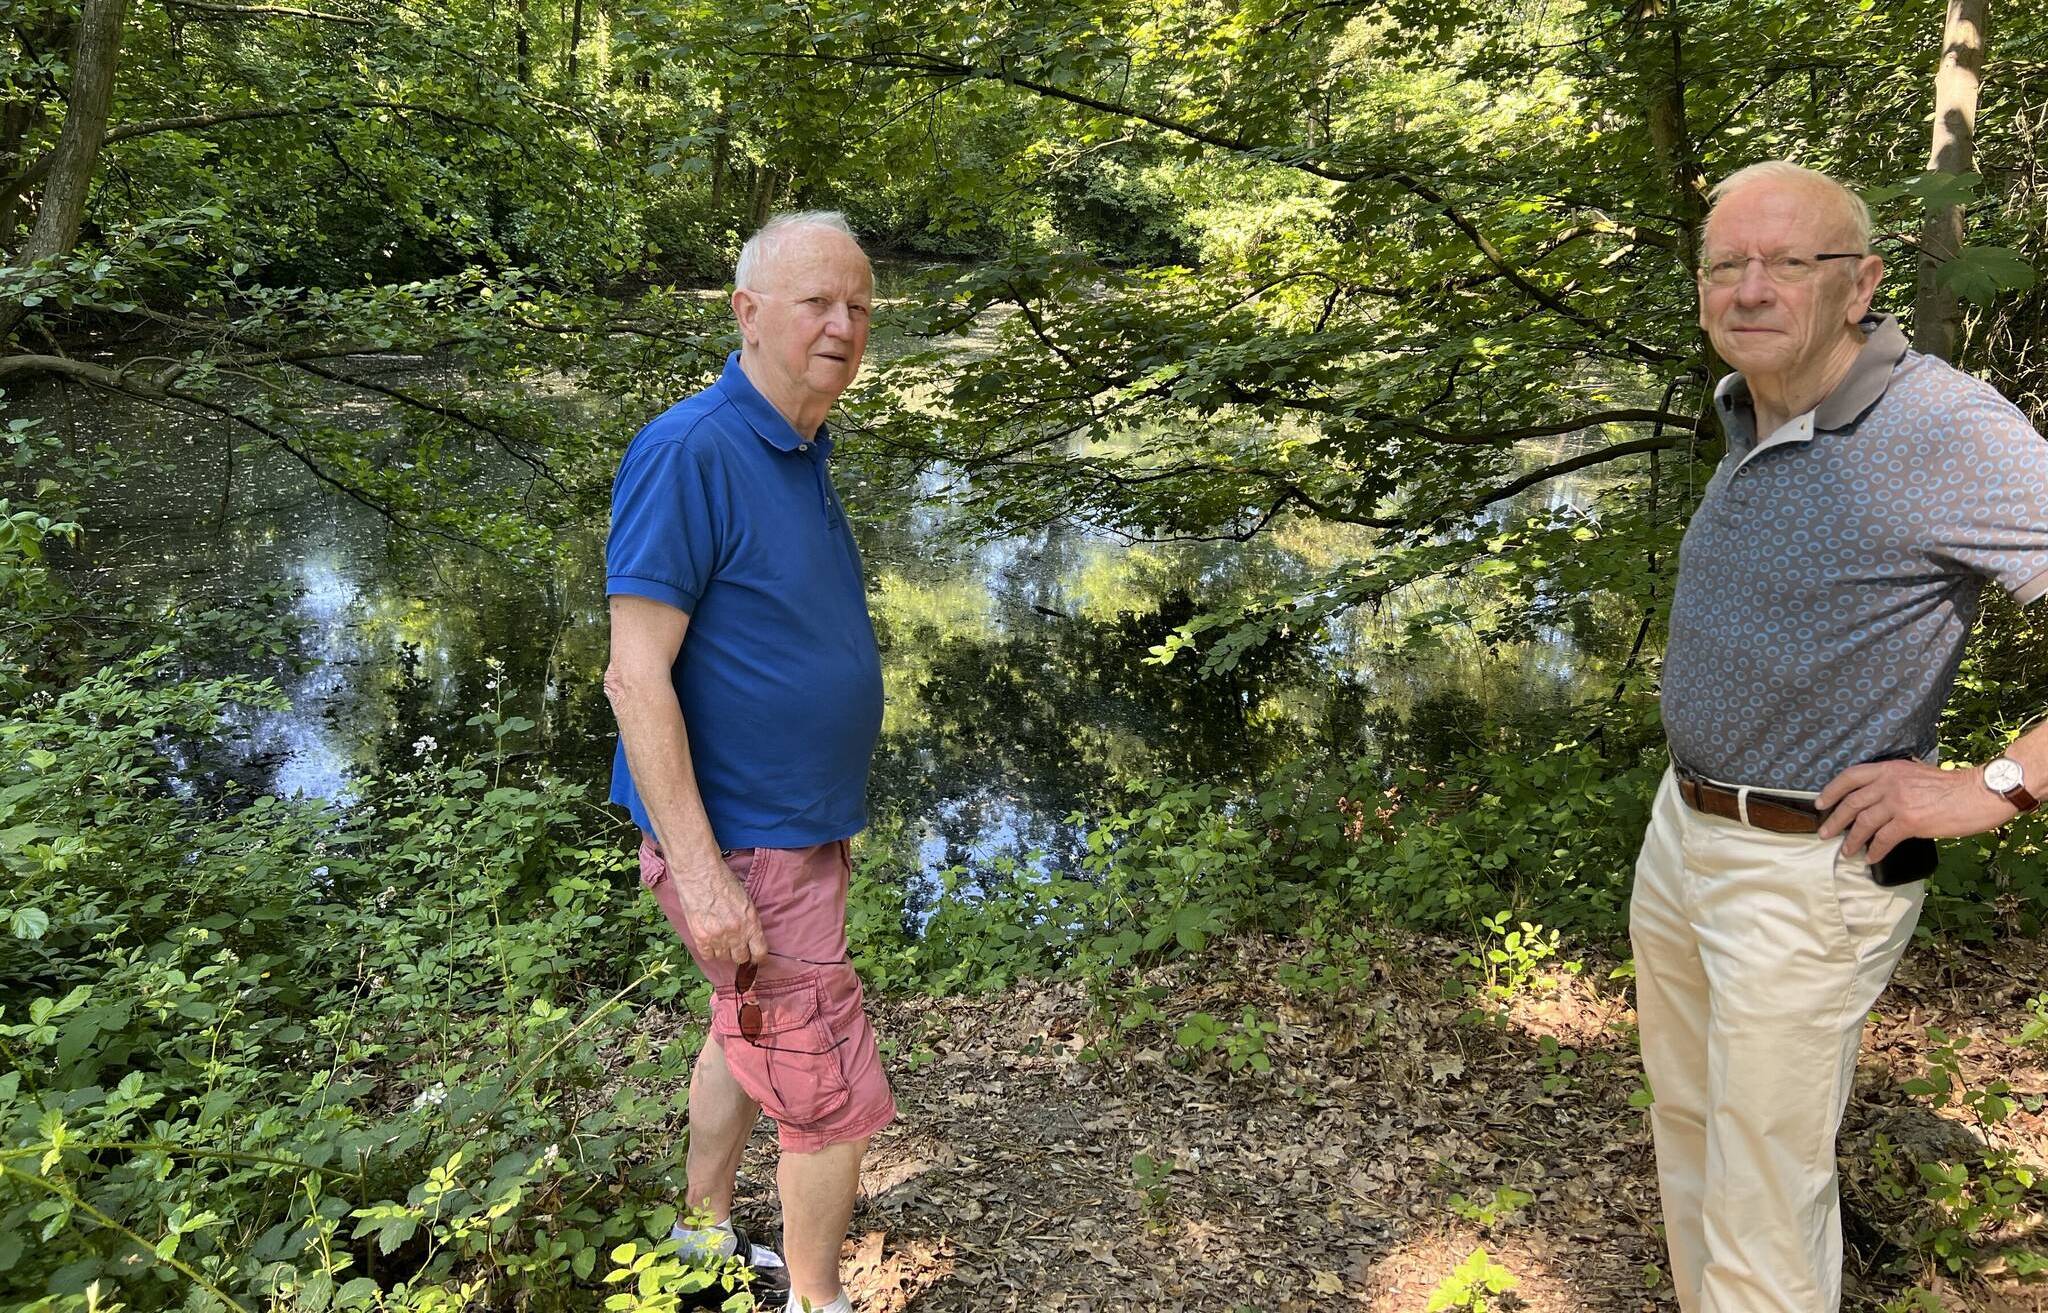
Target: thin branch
[[74, 1201], [200, 122], [925, 65], [158, 390], [1468, 438], [304, 458], [1291, 493], [1583, 460], [1038, 330], [1505, 437], [270, 11], [506, 441], [303, 360]]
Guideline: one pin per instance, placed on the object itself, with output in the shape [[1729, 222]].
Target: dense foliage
[[1417, 273]]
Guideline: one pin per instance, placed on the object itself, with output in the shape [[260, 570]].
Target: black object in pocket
[[1909, 860]]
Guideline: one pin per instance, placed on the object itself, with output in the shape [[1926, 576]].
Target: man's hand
[[721, 916], [1882, 802]]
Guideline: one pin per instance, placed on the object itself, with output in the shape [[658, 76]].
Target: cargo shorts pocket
[[653, 866], [790, 1063]]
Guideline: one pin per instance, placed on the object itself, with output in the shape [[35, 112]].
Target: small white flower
[[424, 744], [435, 1094], [549, 1155]]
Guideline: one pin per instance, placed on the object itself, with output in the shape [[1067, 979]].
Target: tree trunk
[[1937, 316], [1658, 48], [575, 38], [21, 117], [522, 46], [61, 209], [721, 158], [17, 120]]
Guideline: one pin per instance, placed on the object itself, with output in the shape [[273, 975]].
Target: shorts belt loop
[[1742, 803]]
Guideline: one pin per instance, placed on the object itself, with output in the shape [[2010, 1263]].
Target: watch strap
[[2017, 794]]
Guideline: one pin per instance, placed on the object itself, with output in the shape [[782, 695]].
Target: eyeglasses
[[1778, 268], [750, 1009]]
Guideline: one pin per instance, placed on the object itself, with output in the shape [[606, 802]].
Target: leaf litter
[[1012, 1179]]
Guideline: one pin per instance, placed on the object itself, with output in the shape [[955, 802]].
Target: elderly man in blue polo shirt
[[748, 693], [1825, 587]]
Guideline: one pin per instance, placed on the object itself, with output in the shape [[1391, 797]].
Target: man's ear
[[746, 308], [1869, 273]]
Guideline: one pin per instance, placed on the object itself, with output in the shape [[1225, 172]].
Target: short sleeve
[[664, 541], [1989, 502]]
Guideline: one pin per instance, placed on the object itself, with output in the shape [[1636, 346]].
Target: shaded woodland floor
[[1328, 1182]]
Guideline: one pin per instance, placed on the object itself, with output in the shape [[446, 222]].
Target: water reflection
[[1018, 673], [314, 762]]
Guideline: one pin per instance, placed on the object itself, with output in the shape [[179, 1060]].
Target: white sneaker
[[771, 1275]]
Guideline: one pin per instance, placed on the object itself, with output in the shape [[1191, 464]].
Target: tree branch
[[1406, 178], [269, 11], [1506, 437], [506, 441], [1467, 438], [157, 391], [1583, 460], [199, 122]]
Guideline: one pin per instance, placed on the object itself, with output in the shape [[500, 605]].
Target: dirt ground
[[1328, 1181]]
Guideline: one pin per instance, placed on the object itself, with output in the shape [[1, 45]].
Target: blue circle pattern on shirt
[[1826, 587]]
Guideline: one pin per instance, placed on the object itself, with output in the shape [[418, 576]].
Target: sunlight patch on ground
[[1403, 1280]]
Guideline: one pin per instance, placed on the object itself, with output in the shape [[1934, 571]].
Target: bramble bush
[[261, 1054]]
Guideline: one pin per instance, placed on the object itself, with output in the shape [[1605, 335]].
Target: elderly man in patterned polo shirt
[[1825, 587]]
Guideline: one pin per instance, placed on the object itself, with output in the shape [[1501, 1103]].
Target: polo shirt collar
[[761, 415], [1884, 345]]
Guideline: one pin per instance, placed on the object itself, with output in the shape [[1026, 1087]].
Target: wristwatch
[[2003, 776]]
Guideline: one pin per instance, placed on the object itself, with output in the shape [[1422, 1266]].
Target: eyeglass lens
[[749, 1010]]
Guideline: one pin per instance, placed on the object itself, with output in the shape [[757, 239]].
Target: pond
[[1019, 685]]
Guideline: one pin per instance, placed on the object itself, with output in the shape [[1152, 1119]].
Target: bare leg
[[721, 1118], [818, 1190]]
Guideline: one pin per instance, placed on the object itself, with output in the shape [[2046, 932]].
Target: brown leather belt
[[1780, 813]]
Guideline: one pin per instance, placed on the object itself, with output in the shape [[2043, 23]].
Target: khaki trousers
[[1758, 956]]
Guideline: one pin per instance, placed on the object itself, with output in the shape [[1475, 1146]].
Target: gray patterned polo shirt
[[1832, 571]]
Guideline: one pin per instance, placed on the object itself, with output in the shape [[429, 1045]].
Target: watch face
[[2003, 774]]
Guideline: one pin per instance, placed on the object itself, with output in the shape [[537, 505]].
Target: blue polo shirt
[[722, 510]]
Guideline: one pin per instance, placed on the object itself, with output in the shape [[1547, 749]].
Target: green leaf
[[28, 922], [1979, 273], [1932, 189]]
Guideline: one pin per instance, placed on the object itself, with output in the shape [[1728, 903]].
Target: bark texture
[[1937, 316], [61, 208]]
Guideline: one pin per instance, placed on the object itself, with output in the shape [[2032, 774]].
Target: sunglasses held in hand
[[749, 1017]]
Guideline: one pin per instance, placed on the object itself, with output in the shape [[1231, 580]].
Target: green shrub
[[257, 1050]]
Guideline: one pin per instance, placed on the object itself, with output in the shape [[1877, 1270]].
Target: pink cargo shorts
[[812, 1063]]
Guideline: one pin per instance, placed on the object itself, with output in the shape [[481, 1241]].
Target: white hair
[[1785, 171], [766, 243]]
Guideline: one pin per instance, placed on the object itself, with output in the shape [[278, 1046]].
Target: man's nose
[[1755, 286], [839, 322]]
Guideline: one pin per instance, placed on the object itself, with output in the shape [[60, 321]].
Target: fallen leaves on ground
[[1328, 1182]]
